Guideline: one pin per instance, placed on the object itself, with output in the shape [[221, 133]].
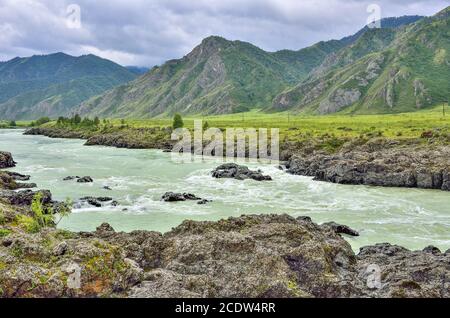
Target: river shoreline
[[374, 162]]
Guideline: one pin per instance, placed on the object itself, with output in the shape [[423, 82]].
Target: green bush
[[42, 120], [42, 218]]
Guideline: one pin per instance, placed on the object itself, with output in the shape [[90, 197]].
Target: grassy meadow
[[406, 125]]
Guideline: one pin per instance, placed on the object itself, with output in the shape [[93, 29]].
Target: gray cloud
[[149, 32]]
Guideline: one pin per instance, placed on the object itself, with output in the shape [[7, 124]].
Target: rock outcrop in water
[[234, 171], [86, 179], [180, 197], [380, 166], [247, 256]]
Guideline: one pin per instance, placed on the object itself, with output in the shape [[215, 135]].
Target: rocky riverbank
[[131, 138], [247, 256], [379, 163]]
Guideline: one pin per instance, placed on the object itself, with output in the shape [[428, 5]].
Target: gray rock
[[179, 197], [60, 249], [70, 178], [86, 179], [432, 249], [99, 201]]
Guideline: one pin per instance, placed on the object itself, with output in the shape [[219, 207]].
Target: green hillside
[[217, 77], [223, 77], [51, 85]]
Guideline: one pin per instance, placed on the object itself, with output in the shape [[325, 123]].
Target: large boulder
[[249, 256]]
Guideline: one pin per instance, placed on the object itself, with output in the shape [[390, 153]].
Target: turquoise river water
[[409, 217]]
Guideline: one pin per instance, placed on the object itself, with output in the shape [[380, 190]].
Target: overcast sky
[[149, 32]]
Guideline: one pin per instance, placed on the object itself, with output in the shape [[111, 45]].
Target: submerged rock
[[70, 178], [234, 171], [378, 164], [432, 249], [99, 201], [86, 179]]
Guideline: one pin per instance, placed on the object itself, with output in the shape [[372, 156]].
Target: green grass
[[404, 125]]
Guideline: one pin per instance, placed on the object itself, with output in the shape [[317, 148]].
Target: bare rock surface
[[381, 165]]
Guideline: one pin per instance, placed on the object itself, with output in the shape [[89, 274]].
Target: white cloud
[[148, 32]]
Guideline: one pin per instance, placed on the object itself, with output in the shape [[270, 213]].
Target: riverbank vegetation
[[427, 126]]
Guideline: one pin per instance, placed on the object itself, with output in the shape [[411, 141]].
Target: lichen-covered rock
[[340, 229], [403, 273], [250, 256]]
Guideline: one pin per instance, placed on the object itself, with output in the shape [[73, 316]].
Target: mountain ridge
[[408, 72], [50, 85], [220, 76]]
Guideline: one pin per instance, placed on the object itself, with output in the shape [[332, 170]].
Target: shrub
[[42, 120], [42, 218], [205, 125], [76, 119], [4, 232]]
